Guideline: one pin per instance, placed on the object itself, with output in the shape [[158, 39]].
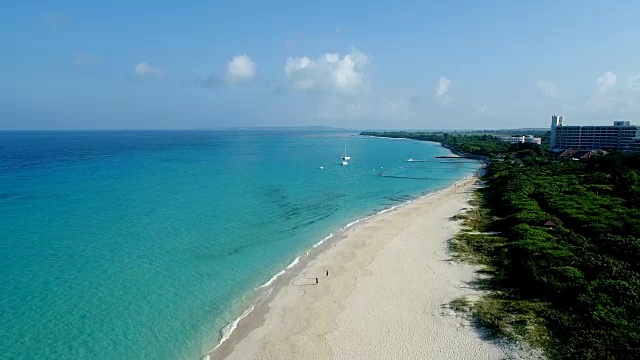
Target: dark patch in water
[[6, 196], [15, 197]]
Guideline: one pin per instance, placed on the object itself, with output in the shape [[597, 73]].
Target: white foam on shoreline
[[228, 330], [280, 273], [323, 240], [273, 278], [293, 263]]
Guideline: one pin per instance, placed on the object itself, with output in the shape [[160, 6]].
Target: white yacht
[[345, 156]]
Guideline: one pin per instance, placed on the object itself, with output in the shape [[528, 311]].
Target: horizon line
[[267, 128]]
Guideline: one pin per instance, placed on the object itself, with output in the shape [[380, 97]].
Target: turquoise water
[[141, 245]]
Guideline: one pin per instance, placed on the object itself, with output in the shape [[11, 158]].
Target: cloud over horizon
[[144, 69], [607, 81], [443, 87], [484, 110], [240, 68], [328, 73], [615, 102]]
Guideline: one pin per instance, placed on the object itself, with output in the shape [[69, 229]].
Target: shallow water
[[136, 245]]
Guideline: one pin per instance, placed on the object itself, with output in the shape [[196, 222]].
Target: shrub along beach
[[389, 281], [560, 241]]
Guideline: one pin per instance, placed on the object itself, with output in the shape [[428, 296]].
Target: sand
[[390, 279]]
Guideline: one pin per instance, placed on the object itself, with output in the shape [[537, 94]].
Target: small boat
[[344, 162], [345, 156]]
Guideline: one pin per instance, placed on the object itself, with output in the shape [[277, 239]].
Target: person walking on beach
[[316, 281], [327, 273]]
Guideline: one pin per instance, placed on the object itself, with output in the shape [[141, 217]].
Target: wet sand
[[390, 278]]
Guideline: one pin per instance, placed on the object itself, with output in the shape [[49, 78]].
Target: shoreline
[[456, 152], [254, 316]]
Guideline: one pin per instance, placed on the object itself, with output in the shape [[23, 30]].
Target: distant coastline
[[435, 138]]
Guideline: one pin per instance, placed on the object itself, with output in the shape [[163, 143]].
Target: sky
[[71, 64]]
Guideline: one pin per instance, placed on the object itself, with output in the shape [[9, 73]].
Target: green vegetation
[[461, 305], [571, 287], [479, 145]]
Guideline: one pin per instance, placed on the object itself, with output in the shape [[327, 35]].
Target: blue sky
[[366, 64]]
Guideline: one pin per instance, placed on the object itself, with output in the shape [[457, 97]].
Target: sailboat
[[345, 157]]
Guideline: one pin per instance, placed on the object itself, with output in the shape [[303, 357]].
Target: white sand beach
[[385, 297]]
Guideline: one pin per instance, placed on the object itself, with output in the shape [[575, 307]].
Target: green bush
[[578, 281]]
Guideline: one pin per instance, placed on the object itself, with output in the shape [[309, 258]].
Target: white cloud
[[548, 89], [611, 101], [328, 73], [484, 110], [144, 69], [240, 68], [443, 87], [607, 81]]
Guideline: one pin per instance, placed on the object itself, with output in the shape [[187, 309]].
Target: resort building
[[621, 136], [521, 139], [579, 154]]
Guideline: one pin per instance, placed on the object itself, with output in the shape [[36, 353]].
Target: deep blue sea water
[[141, 245]]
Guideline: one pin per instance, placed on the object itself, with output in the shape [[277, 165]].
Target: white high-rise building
[[621, 136], [555, 122]]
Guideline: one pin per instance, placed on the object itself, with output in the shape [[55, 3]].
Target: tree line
[[563, 250]]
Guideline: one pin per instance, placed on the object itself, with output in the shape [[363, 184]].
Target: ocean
[[146, 244]]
